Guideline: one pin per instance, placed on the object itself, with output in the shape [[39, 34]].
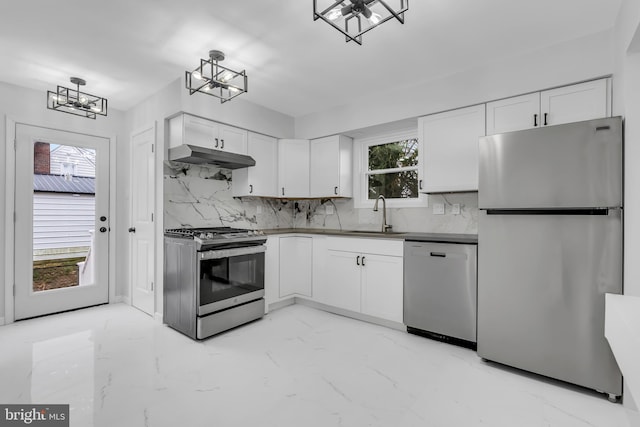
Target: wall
[[627, 103], [167, 102], [26, 105], [557, 65]]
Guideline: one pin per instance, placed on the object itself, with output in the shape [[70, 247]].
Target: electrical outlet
[[455, 209], [438, 208], [328, 209]]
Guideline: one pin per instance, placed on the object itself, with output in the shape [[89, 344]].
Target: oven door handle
[[227, 253]]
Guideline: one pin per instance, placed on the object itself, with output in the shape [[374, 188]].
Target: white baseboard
[[118, 299], [158, 317]]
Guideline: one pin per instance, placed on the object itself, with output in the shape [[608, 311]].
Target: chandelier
[[216, 80], [353, 18], [72, 101]]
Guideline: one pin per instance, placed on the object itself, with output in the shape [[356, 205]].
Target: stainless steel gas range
[[213, 279]]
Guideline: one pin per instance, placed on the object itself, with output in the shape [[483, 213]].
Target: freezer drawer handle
[[599, 128], [439, 254]]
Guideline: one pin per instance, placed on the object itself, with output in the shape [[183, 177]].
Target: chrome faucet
[[385, 227]]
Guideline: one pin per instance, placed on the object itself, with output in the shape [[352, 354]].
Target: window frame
[[361, 160]]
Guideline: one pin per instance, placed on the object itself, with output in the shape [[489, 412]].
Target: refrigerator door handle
[[585, 211]]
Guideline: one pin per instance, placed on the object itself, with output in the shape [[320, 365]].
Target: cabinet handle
[[545, 119], [250, 188], [363, 260], [222, 146], [420, 184], [439, 254], [216, 146], [283, 191], [535, 120], [358, 260], [335, 190]]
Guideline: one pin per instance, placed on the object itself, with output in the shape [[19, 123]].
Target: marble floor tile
[[297, 366]]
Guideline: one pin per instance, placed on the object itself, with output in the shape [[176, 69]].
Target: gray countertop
[[413, 236]]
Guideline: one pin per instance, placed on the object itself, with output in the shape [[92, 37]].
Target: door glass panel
[[63, 216]]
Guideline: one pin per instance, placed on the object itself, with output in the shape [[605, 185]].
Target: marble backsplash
[[200, 196]]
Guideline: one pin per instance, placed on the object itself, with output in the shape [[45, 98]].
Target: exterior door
[[61, 221], [142, 220]]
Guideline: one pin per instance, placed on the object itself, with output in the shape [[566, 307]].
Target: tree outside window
[[393, 170]]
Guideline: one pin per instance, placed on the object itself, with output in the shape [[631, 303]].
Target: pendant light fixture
[[216, 80], [353, 18], [72, 101]]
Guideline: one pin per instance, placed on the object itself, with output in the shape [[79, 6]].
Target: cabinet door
[[295, 266], [324, 180], [575, 103], [331, 167], [201, 132], [382, 287], [272, 271], [233, 139], [449, 150], [261, 179], [511, 114], [342, 287], [293, 168]]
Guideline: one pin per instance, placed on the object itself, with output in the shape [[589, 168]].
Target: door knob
[[103, 218], [132, 229], [103, 229]]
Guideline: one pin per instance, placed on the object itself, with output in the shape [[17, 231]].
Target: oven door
[[229, 277]]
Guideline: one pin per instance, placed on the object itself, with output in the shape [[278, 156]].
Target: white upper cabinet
[[574, 103], [262, 179], [331, 166], [584, 101], [448, 150], [191, 130], [293, 168], [511, 114]]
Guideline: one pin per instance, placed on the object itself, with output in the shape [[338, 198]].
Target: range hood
[[206, 156]]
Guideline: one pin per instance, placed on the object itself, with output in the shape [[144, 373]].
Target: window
[[389, 167]]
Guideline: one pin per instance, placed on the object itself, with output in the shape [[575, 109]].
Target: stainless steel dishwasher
[[440, 287]]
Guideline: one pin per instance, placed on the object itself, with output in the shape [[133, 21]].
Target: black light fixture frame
[[356, 16], [73, 101], [210, 81]]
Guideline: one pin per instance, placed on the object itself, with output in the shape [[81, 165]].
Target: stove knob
[[209, 235]]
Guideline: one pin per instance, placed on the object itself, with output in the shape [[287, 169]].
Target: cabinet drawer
[[392, 247]]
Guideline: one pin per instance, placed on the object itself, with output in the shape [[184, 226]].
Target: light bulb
[[84, 100], [334, 14], [233, 89], [375, 18], [196, 75], [62, 99], [226, 77], [96, 108]]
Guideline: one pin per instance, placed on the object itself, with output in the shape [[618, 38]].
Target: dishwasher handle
[[438, 254]]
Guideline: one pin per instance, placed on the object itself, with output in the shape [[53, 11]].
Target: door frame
[[153, 125], [10, 188]]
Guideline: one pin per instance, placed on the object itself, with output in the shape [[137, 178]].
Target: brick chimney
[[41, 158]]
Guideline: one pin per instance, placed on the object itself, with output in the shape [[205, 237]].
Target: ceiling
[[127, 50]]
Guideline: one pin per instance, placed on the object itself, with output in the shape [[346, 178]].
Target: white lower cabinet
[[295, 266], [364, 276], [382, 290], [361, 275], [342, 286]]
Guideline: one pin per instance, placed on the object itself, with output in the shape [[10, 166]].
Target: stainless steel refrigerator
[[549, 248]]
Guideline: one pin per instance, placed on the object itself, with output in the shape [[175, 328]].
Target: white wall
[[572, 61], [172, 99], [29, 106]]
